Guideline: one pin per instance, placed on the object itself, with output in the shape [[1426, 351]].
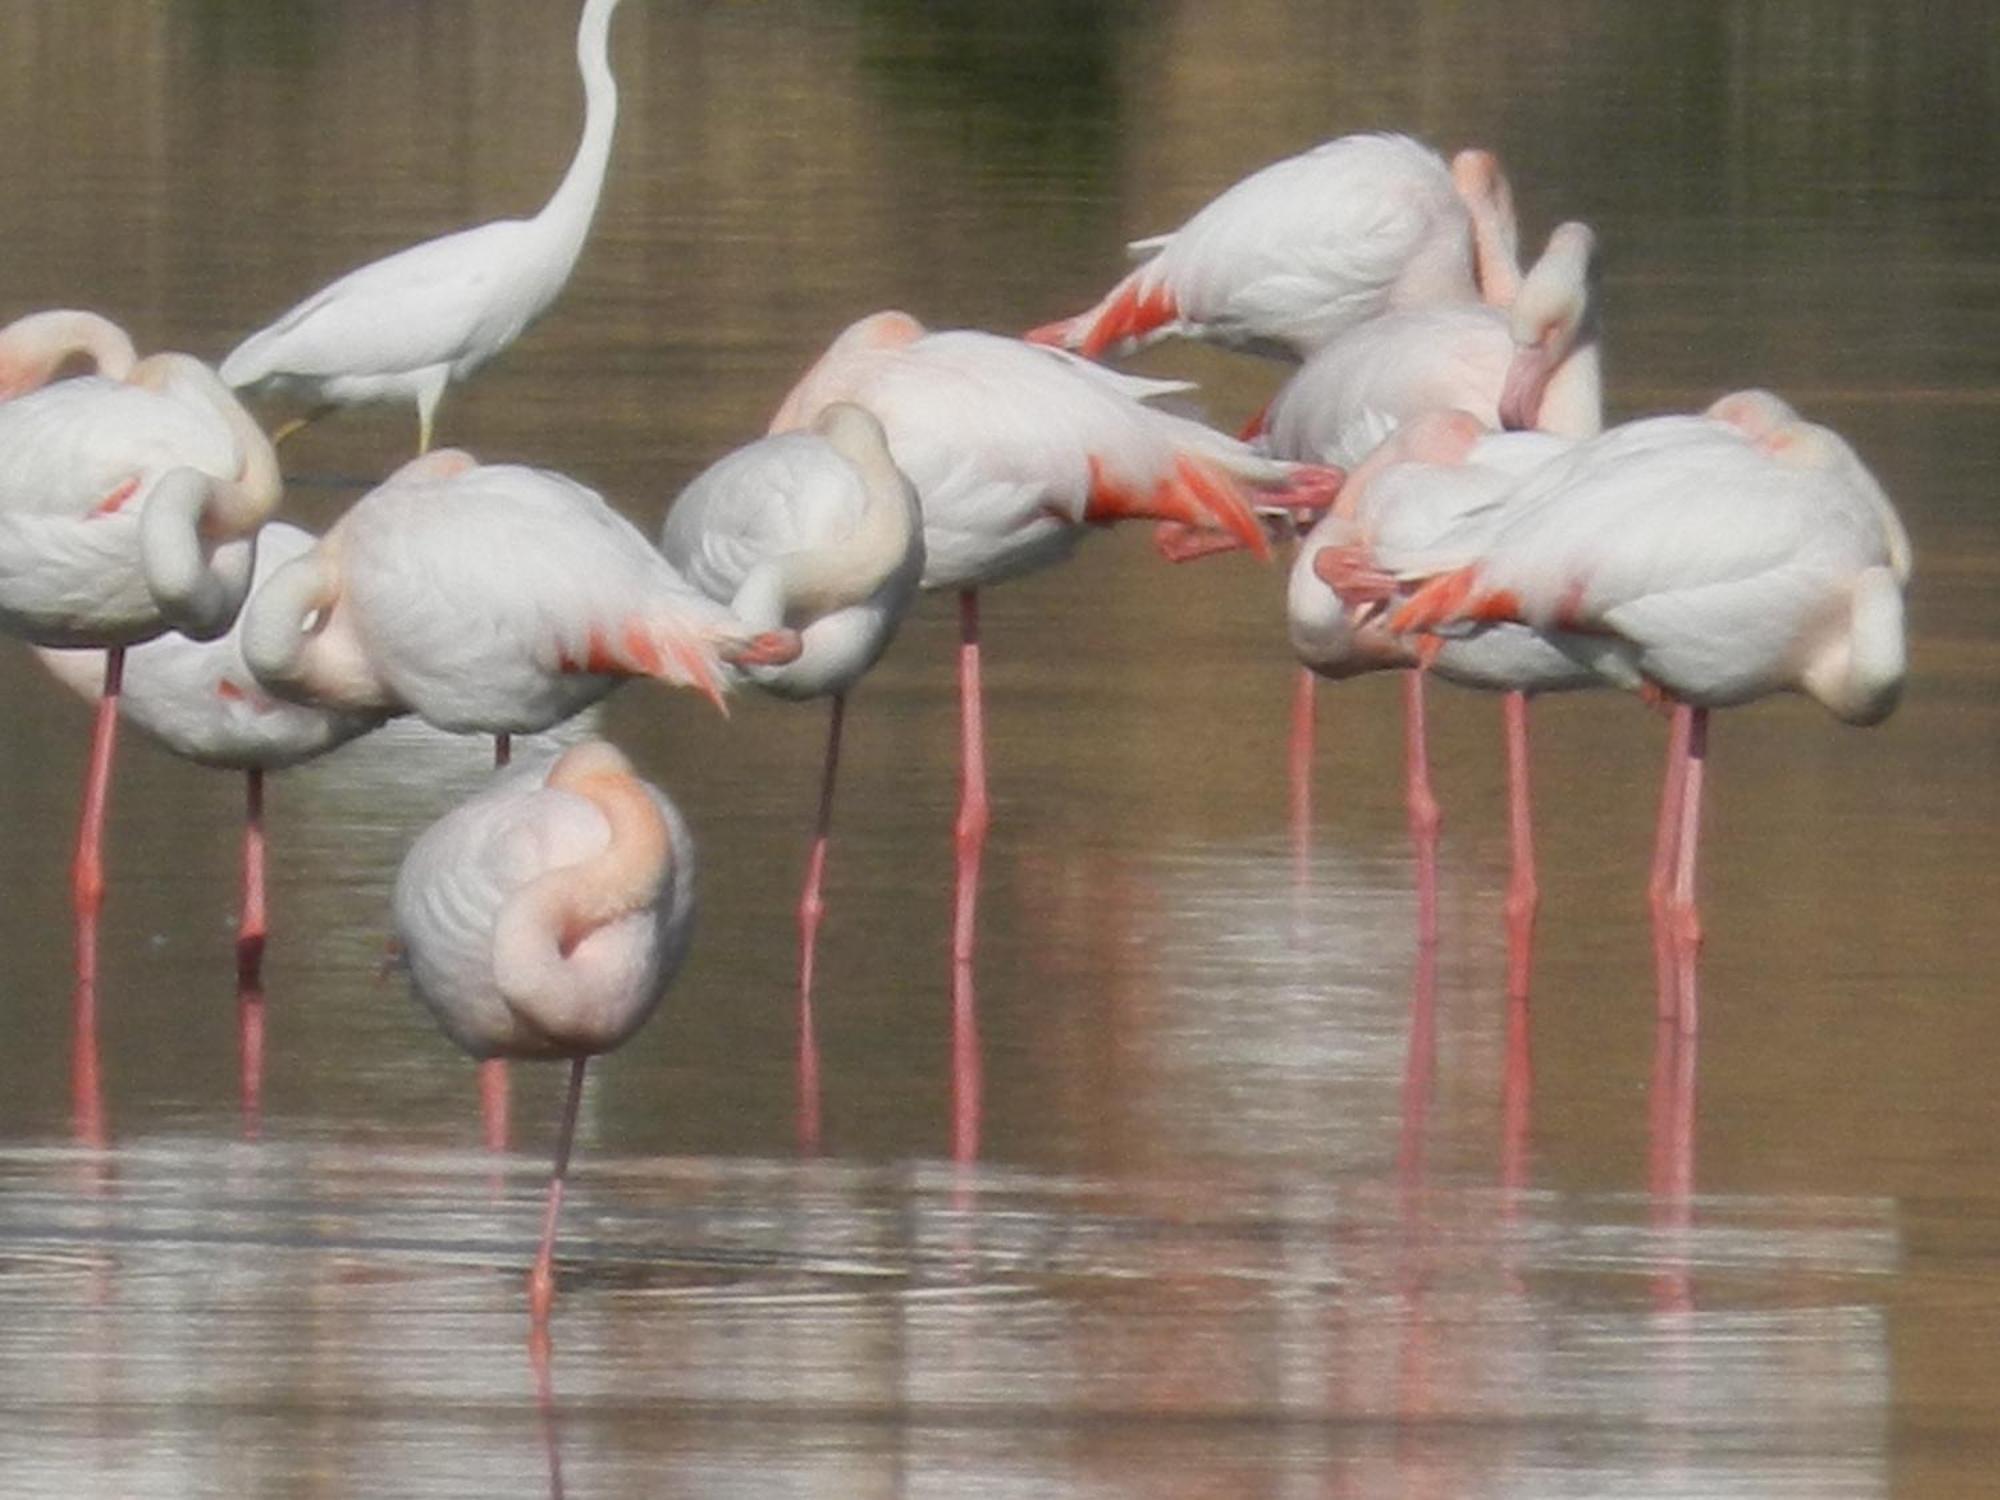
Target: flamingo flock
[[1439, 453]]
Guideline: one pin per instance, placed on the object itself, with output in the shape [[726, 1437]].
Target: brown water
[[1255, 1211]]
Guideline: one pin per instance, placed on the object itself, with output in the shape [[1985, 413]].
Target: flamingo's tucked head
[[34, 348], [1548, 320]]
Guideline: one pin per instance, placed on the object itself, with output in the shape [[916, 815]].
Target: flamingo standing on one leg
[[488, 599], [200, 699], [545, 917], [1286, 259], [404, 327], [1715, 559], [1015, 452], [129, 499], [820, 531]]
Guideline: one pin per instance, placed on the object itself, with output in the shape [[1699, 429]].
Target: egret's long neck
[[567, 215]]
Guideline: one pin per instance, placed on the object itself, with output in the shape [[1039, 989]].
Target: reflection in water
[[1144, 1229]]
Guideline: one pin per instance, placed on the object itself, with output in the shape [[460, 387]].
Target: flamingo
[[130, 498], [545, 917], [1307, 247], [489, 599], [1531, 360], [1711, 559], [1015, 451], [404, 327], [1421, 482], [1526, 359], [820, 530]]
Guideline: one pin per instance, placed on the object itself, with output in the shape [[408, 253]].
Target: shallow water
[[1251, 1204]]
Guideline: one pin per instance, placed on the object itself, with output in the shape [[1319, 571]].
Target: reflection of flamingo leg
[[1299, 764], [87, 896], [1666, 843], [812, 907], [973, 810], [1523, 891], [1425, 818], [542, 1279], [1686, 916]]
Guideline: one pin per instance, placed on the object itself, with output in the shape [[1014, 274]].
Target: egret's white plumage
[[404, 327], [1296, 252]]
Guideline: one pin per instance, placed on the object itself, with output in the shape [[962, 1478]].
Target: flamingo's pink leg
[[493, 1092], [542, 1279], [87, 896], [1425, 818], [1523, 890], [1299, 764], [1686, 915], [253, 925], [812, 907], [973, 810], [1666, 845], [503, 750]]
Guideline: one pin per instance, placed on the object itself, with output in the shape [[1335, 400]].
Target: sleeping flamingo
[[818, 530], [1015, 452], [129, 500], [1288, 258], [1526, 359], [1712, 559], [1431, 473], [404, 327], [489, 599], [545, 917], [199, 699]]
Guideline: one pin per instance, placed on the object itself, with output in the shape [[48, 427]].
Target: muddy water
[[1252, 1203]]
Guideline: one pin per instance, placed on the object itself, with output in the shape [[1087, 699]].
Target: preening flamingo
[[1713, 558], [819, 531], [545, 917], [1297, 252], [404, 327], [1530, 360], [129, 501]]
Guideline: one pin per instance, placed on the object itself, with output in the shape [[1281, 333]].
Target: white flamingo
[[1297, 252], [821, 532], [1713, 559], [545, 917], [404, 327], [130, 498]]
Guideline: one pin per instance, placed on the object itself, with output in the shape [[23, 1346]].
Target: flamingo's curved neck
[[567, 215]]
